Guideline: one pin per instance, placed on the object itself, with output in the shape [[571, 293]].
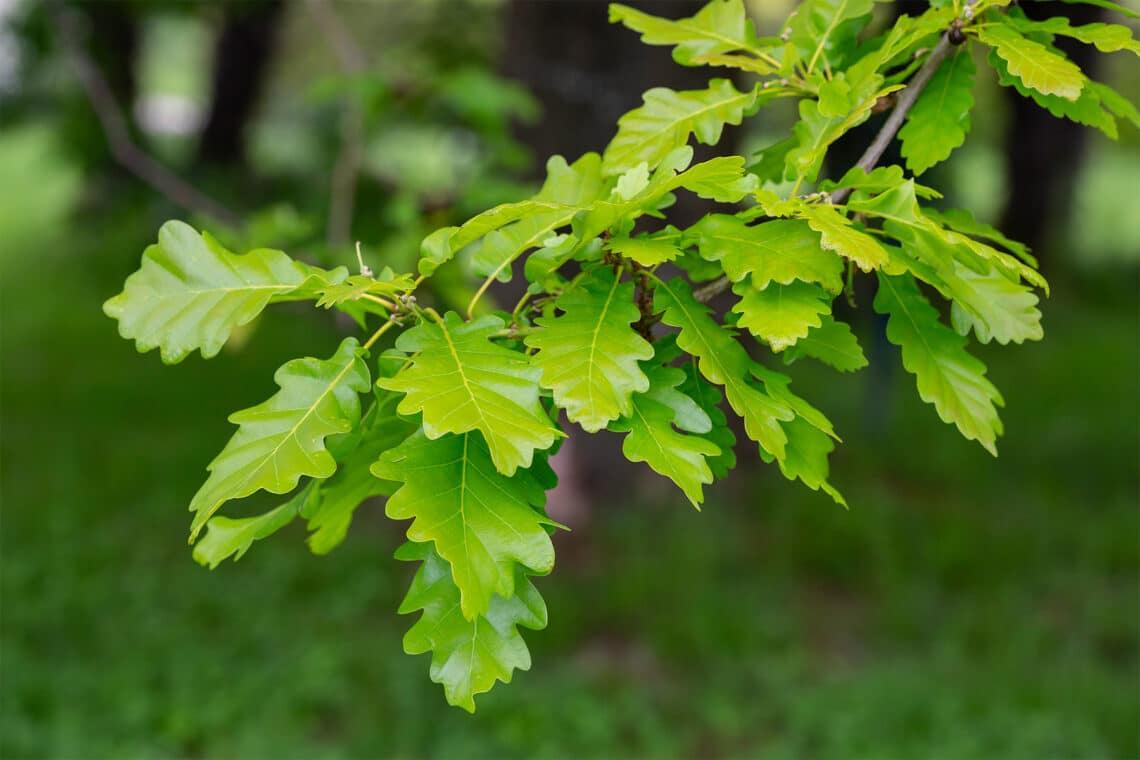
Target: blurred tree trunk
[[585, 71], [241, 58], [1044, 152]]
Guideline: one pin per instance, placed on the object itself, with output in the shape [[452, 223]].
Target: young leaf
[[482, 522], [780, 314], [948, 377], [831, 343], [721, 26], [1033, 63], [461, 381], [283, 439], [1108, 38], [468, 656], [825, 30], [839, 235], [226, 536], [653, 131], [1087, 109], [939, 120], [646, 250], [654, 440], [777, 251], [723, 361], [568, 190], [589, 354], [190, 292], [994, 306]]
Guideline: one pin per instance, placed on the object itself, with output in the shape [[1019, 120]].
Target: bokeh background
[[965, 607]]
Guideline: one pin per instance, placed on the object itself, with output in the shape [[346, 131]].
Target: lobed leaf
[[780, 251], [653, 439], [461, 381], [939, 120], [589, 354], [721, 26], [664, 123], [781, 314], [833, 343], [722, 360], [481, 522], [1033, 63], [283, 439], [190, 292], [468, 656], [948, 377]]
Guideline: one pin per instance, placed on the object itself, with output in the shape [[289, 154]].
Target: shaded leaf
[[832, 343]]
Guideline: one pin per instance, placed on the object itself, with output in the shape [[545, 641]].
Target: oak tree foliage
[[455, 422]]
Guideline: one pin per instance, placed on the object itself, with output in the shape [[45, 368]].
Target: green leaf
[[1108, 38], [778, 251], [709, 399], [589, 354], [806, 460], [1033, 63], [825, 30], [722, 360], [461, 381], [331, 505], [831, 343], [961, 220], [654, 440], [568, 190], [648, 251], [948, 377], [226, 536], [722, 26], [1087, 109], [837, 234], [190, 292], [940, 118], [468, 656], [780, 314], [1106, 4], [283, 439], [880, 180], [815, 131], [994, 306], [649, 133], [721, 179], [481, 521]]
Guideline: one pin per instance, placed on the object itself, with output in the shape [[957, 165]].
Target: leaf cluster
[[455, 423]]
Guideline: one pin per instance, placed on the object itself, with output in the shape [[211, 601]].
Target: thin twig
[[903, 103], [123, 149], [342, 184]]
